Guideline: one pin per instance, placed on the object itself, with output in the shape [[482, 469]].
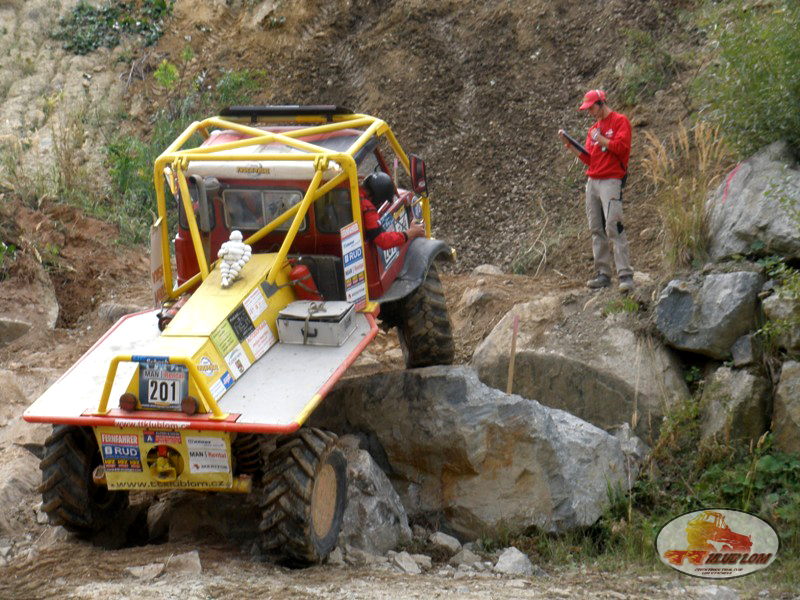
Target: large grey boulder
[[706, 315], [745, 214], [374, 520], [605, 374], [786, 420], [735, 405], [475, 457]]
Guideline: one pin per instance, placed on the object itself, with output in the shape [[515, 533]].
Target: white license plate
[[162, 385]]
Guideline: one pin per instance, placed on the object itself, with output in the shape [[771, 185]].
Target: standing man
[[608, 147]]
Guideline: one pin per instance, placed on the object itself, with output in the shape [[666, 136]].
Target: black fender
[[419, 258]]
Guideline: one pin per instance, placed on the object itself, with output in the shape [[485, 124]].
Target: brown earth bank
[[479, 89]]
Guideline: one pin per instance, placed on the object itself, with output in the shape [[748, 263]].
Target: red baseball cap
[[591, 97]]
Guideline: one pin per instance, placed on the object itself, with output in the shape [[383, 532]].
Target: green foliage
[[237, 87], [752, 88], [167, 75], [693, 376], [647, 68], [773, 333], [622, 305], [787, 279], [87, 28], [8, 254]]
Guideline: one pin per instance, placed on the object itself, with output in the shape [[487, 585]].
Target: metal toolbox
[[316, 323]]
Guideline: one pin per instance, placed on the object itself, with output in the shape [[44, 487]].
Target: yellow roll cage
[[176, 159]]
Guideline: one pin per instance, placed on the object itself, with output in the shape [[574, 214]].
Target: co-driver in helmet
[[376, 189]]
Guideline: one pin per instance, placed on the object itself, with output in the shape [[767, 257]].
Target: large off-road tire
[[425, 331], [304, 497], [69, 495]]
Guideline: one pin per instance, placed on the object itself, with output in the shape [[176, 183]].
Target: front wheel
[[305, 492], [70, 497], [425, 331]]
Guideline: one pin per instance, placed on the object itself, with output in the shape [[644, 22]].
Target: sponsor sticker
[[237, 361], [119, 438], [207, 455], [260, 340], [224, 338], [207, 366], [162, 437], [353, 265], [241, 323], [122, 457], [221, 385], [255, 304], [388, 223], [717, 543]]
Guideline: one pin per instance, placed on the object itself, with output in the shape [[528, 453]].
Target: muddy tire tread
[[286, 523], [425, 331], [69, 496]]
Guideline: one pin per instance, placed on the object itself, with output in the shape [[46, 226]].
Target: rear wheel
[[425, 331], [305, 491], [69, 495]]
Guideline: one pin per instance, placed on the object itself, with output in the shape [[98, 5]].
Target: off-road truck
[[709, 526], [209, 391]]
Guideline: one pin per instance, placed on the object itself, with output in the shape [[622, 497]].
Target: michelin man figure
[[234, 254]]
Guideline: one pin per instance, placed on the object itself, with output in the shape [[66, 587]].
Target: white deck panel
[[276, 389], [82, 387]]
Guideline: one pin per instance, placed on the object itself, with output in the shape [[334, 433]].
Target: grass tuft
[[682, 169]]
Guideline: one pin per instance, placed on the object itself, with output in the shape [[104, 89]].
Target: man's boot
[[601, 281]]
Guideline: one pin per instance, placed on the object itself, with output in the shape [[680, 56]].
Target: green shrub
[[87, 27], [752, 87], [167, 74]]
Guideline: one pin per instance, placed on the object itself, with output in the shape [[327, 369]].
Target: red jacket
[[373, 232], [613, 162]]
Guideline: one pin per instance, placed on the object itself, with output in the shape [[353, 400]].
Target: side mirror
[[419, 182]]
